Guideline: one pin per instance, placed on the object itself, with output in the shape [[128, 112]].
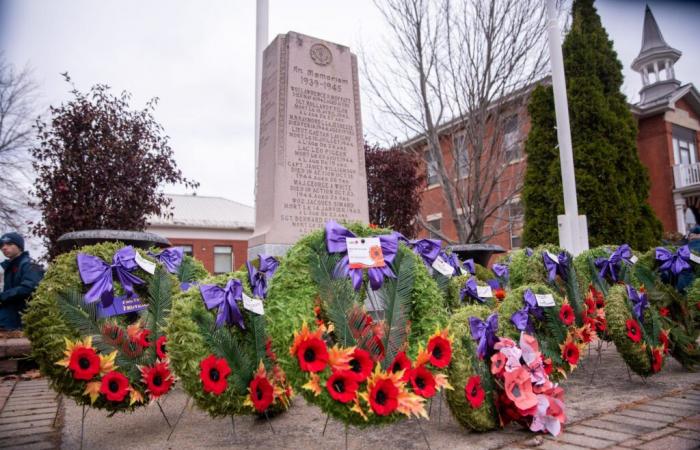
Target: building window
[[223, 259], [432, 169], [511, 139], [684, 145], [515, 223], [186, 249], [436, 224], [461, 155]]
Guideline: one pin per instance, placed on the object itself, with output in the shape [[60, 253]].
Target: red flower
[[383, 398], [160, 347], [499, 293], [158, 379], [342, 386], [664, 312], [114, 386], [663, 338], [361, 364], [570, 353], [423, 381], [312, 355], [213, 374], [657, 360], [440, 350], [498, 363], [84, 363], [401, 362], [547, 365], [633, 330], [590, 305], [261, 393], [601, 324], [474, 392], [142, 338], [566, 314]]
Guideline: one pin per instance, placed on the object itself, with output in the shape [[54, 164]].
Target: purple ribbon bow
[[521, 318], [225, 299], [335, 242], [674, 262], [171, 258], [484, 332], [258, 277], [639, 302], [428, 249], [95, 271], [470, 289], [501, 271], [453, 260], [528, 252], [559, 266], [611, 265], [469, 265]]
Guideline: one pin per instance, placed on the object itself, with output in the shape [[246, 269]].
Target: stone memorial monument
[[311, 165]]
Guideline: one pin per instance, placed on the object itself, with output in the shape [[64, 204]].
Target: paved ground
[[611, 411]]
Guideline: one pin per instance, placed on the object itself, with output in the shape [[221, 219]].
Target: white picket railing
[[685, 175]]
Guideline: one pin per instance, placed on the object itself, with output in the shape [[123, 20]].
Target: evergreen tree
[[611, 183]]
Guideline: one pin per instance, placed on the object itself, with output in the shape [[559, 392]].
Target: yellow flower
[[135, 396], [70, 346], [314, 384], [107, 363], [93, 390], [339, 358]]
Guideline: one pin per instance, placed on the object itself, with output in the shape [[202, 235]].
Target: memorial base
[[268, 249]]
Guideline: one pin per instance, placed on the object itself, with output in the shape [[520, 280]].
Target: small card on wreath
[[254, 305], [634, 259], [145, 264], [364, 253], [484, 291], [695, 258], [544, 300], [441, 266]]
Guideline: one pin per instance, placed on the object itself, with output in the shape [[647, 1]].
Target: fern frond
[[396, 295], [573, 293], [159, 301], [599, 283]]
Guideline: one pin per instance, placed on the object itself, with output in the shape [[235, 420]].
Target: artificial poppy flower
[[440, 349], [547, 365], [261, 393], [383, 396], [401, 362], [361, 364], [310, 350], [570, 352], [158, 379], [138, 335], [142, 338], [663, 338], [634, 332], [81, 359], [664, 312], [342, 386], [507, 411], [657, 360], [499, 293], [518, 388], [590, 305], [213, 373], [585, 334], [423, 381], [601, 324], [473, 391], [112, 334], [114, 386], [566, 314], [498, 363], [160, 347]]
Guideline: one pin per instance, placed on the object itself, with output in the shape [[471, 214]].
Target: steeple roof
[[654, 47]]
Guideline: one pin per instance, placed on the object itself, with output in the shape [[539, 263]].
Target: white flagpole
[[261, 41]]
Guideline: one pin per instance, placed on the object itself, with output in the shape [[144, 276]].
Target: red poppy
[[142, 338], [664, 312], [499, 293], [507, 410], [547, 365], [598, 297], [160, 347], [634, 332], [84, 363], [261, 393], [601, 324], [113, 334], [361, 364], [312, 354], [423, 381], [401, 362], [158, 379], [663, 338], [114, 386], [586, 334], [590, 304], [440, 350], [657, 360], [570, 353], [566, 314], [342, 386], [213, 374], [383, 398], [474, 392], [268, 350], [590, 321], [498, 363]]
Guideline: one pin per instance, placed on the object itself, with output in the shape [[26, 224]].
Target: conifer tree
[[611, 183]]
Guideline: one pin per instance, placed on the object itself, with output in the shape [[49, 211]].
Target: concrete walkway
[[29, 415]]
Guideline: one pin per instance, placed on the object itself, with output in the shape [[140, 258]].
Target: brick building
[[214, 230], [668, 117]]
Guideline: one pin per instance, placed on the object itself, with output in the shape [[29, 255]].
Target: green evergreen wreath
[[255, 383], [465, 365], [66, 333], [454, 300], [305, 294]]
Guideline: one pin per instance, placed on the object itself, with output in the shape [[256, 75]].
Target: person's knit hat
[[13, 238]]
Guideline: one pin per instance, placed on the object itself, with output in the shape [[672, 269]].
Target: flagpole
[[261, 40]]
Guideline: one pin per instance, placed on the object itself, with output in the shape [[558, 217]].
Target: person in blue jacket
[[21, 279]]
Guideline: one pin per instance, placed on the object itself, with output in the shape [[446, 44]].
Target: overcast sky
[[198, 58]]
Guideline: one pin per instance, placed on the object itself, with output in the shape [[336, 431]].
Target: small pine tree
[[611, 183]]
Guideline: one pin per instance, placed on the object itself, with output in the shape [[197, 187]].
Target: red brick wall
[[203, 250]]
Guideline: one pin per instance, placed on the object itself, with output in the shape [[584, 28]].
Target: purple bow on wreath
[[453, 260], [428, 249], [639, 302], [560, 266], [521, 318], [528, 252], [470, 289], [336, 236], [225, 299], [469, 265], [171, 258], [258, 277], [95, 271], [610, 266], [673, 262], [484, 332], [501, 271]]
